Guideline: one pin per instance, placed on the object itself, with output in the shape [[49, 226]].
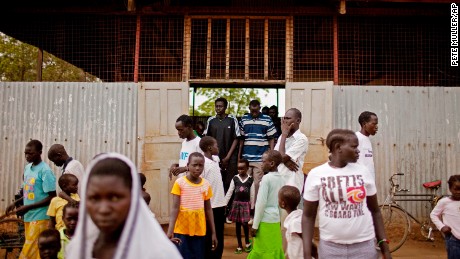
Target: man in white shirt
[[190, 144], [293, 146], [369, 126], [58, 155]]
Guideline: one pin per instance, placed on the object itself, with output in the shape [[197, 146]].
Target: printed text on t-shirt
[[343, 196]]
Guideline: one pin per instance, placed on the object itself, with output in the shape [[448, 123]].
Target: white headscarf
[[142, 237]]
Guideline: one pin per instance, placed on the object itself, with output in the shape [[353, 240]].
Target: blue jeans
[[453, 247], [191, 247]]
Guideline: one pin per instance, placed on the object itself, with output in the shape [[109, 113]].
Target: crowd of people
[[246, 171]]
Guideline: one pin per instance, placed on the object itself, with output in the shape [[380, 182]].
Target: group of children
[[114, 223]]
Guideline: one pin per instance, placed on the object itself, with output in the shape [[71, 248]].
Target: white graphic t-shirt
[[366, 156], [188, 147], [342, 194]]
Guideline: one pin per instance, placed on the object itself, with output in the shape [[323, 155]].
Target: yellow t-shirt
[[191, 219], [56, 209]]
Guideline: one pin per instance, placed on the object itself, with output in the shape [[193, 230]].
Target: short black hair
[[297, 112], [195, 154], [51, 232], [206, 142], [265, 108], [36, 144], [254, 103], [65, 179], [365, 117], [244, 160], [274, 156], [453, 179], [222, 99], [69, 205], [142, 178], [113, 167], [337, 136], [290, 195], [274, 107], [186, 120]]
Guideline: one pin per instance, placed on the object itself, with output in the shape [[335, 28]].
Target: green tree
[[18, 62], [238, 100]]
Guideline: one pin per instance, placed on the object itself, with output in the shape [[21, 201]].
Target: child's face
[[108, 201], [48, 247], [70, 218], [71, 186], [455, 190], [214, 148], [196, 166], [350, 151], [242, 169], [266, 163]]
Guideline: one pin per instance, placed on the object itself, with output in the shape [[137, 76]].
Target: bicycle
[[397, 220]]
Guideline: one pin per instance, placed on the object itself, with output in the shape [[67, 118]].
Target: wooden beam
[[131, 5], [39, 64]]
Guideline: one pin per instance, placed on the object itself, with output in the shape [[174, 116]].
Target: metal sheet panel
[[419, 133], [87, 118]]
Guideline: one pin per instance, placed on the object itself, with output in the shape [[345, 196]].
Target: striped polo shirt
[[256, 131]]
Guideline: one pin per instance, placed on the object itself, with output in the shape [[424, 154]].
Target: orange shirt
[[191, 219]]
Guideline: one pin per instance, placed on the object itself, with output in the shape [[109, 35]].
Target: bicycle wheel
[[12, 237], [397, 225]]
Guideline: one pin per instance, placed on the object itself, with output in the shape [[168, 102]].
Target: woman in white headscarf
[[114, 221]]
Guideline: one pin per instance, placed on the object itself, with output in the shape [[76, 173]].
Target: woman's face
[[108, 201]]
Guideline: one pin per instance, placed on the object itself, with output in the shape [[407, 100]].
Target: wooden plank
[[227, 51], [208, 50], [246, 52], [266, 49]]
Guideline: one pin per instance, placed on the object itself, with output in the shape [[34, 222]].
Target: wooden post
[[208, 50], [266, 49], [136, 52], [39, 64], [336, 51]]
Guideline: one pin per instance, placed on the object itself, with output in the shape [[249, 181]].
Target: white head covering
[[142, 237]]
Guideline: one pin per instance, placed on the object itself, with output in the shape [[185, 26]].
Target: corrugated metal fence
[[419, 133], [87, 118]]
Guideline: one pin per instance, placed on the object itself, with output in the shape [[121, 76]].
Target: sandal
[[248, 247], [238, 251]]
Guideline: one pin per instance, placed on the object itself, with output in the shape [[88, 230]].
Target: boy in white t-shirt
[[191, 143], [288, 199], [345, 192], [369, 126]]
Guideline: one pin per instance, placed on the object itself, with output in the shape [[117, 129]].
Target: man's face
[[182, 130], [273, 113], [56, 158], [254, 110], [220, 108], [31, 154], [371, 126], [266, 163], [291, 118]]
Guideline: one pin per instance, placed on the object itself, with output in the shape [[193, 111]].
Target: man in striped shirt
[[258, 134]]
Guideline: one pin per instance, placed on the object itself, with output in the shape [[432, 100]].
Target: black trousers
[[219, 221]]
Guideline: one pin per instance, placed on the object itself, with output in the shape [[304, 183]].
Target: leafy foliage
[[18, 62], [238, 100]]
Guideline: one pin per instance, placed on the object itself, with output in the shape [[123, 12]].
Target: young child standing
[[446, 217], [190, 210], [212, 174], [349, 215], [70, 219], [69, 185], [289, 199], [241, 186], [266, 227]]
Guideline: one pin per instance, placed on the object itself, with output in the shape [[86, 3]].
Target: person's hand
[[286, 128], [176, 241], [10, 208], [214, 242], [224, 163], [291, 165], [253, 232], [446, 230], [386, 255]]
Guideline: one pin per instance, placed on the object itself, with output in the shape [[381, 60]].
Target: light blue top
[[38, 181], [267, 209]]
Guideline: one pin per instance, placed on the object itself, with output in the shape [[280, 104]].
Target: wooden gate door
[[160, 104], [314, 100]]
